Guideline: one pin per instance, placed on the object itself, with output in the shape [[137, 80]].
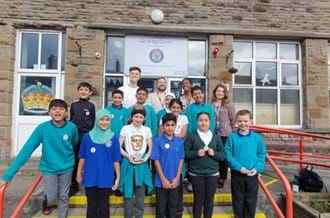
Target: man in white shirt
[[130, 89], [157, 99]]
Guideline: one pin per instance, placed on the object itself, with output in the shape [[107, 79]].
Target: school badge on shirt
[[93, 150], [108, 144], [167, 146], [65, 137], [87, 112]]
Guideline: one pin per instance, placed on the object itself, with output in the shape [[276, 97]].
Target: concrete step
[[149, 211], [81, 200]]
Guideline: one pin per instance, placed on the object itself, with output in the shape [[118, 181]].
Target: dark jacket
[[82, 113], [204, 166]]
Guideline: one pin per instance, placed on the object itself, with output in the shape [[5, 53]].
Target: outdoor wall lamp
[[157, 16], [215, 52]]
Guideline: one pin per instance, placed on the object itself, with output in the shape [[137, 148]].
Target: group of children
[[117, 147]]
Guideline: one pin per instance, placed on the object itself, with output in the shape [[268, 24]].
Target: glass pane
[[111, 83], [176, 88], [242, 50], [196, 58], [35, 94], [242, 99], [149, 83], [289, 52], [289, 74], [29, 51], [290, 107], [266, 106], [63, 51], [115, 55], [243, 75], [266, 74], [49, 51], [266, 50]]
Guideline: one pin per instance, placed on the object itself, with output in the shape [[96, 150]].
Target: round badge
[[87, 113], [108, 144], [167, 146], [65, 137], [93, 149]]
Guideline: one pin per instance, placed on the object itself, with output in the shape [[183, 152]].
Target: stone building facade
[[86, 24]]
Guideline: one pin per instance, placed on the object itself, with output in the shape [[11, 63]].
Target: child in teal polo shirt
[[57, 138], [119, 113]]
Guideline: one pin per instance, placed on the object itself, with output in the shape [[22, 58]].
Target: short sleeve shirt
[[136, 139], [181, 121]]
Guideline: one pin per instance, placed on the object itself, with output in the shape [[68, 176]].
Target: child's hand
[[201, 153], [244, 171], [210, 152], [166, 184], [131, 158], [79, 178], [175, 182], [115, 186], [252, 172]]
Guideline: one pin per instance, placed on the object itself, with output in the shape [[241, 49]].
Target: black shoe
[[221, 183], [73, 190]]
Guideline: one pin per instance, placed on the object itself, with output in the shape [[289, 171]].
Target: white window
[[39, 77], [115, 65], [268, 82]]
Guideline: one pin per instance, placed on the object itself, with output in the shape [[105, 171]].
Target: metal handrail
[[17, 212], [288, 132], [272, 201], [287, 188], [2, 198]]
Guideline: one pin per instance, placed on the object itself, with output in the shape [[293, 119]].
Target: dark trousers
[[179, 205], [204, 188], [166, 202], [223, 165], [244, 190], [97, 202]]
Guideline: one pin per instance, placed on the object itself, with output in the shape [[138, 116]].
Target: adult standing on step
[[186, 98], [129, 90], [225, 123], [157, 99]]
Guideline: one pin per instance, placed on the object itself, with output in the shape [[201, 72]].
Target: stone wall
[[315, 84], [266, 15], [82, 65], [7, 59]]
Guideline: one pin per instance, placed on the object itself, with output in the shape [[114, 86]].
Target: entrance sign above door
[[157, 55]]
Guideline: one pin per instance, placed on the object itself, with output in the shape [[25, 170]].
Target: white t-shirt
[[181, 121], [129, 95], [136, 139]]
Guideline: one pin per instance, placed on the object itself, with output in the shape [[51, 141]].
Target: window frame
[[124, 75], [279, 87]]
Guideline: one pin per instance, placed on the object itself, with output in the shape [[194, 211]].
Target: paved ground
[[21, 183]]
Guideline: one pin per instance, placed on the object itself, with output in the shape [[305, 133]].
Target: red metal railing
[[17, 212], [300, 154]]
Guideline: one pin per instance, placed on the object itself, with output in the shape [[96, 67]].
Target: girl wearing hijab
[[98, 168]]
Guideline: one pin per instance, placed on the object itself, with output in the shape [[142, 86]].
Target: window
[[268, 81], [40, 70], [115, 67]]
